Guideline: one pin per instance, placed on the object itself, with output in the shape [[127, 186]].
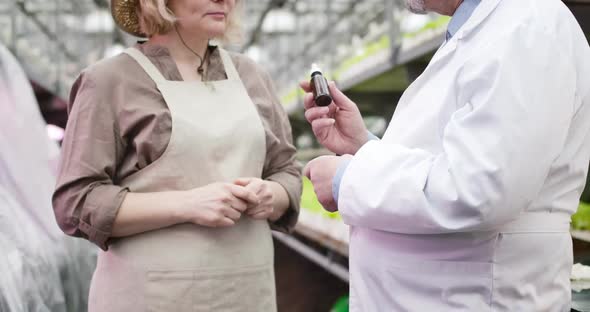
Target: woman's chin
[[216, 33]]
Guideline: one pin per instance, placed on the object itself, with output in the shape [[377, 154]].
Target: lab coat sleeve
[[515, 102]]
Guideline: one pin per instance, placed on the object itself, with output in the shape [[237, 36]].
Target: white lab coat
[[464, 205]]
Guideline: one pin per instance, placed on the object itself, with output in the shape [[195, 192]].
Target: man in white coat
[[465, 203]]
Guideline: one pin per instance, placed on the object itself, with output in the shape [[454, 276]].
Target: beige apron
[[217, 136]]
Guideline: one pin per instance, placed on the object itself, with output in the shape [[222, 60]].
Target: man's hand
[[321, 172], [339, 127]]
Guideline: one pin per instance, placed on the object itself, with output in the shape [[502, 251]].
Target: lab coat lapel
[[479, 15], [448, 48]]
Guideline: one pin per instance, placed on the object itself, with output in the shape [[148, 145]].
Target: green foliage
[[341, 305], [309, 201], [581, 219]]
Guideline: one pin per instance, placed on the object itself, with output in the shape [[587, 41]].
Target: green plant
[[341, 305], [309, 201], [581, 219]]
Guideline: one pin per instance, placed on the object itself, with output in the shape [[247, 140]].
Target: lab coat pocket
[[540, 263], [424, 284]]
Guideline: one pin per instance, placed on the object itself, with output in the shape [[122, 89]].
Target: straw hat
[[125, 14]]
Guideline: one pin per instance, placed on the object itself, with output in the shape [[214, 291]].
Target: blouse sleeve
[[280, 165], [86, 199]]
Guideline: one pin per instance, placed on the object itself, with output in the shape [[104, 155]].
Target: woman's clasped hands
[[223, 204]]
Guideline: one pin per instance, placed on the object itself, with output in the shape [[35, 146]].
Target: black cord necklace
[[200, 68]]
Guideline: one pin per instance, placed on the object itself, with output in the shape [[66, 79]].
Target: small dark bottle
[[319, 87]]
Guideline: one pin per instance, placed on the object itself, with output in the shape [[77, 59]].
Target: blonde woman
[[177, 158]]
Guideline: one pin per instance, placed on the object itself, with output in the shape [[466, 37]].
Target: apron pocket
[[171, 291], [245, 289], [241, 289], [462, 286]]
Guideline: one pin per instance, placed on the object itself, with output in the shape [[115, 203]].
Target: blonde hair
[[155, 18]]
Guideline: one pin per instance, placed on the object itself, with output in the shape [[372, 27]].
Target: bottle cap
[[315, 69]]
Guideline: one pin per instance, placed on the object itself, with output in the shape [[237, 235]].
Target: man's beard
[[416, 6]]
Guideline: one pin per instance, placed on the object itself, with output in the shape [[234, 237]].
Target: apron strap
[[539, 222], [146, 64], [230, 69]]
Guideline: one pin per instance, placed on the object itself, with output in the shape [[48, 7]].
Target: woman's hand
[[264, 191], [217, 204]]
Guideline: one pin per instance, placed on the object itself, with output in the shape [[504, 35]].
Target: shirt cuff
[[292, 185], [338, 178], [371, 136]]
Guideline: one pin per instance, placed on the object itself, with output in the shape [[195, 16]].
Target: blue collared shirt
[[462, 14]]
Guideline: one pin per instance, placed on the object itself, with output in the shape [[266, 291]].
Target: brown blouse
[[119, 123]]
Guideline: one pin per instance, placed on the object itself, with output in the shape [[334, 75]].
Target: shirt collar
[[160, 56], [462, 14]]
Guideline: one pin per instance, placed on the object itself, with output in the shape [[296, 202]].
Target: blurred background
[[373, 49]]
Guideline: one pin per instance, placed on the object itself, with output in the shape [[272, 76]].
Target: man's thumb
[[307, 170], [340, 99]]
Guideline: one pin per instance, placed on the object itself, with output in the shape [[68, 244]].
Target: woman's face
[[203, 16]]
